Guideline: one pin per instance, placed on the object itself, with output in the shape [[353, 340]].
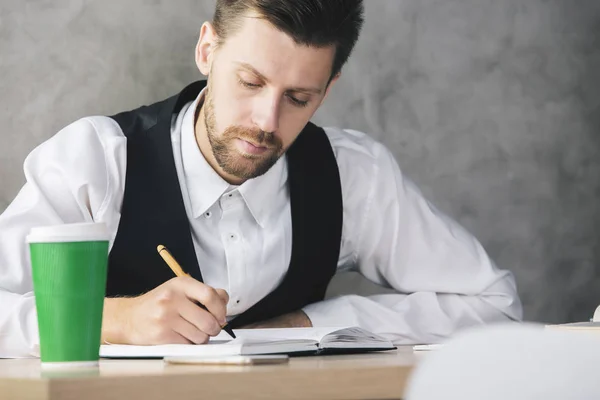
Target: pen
[[176, 268]]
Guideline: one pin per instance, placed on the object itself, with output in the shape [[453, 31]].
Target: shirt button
[[207, 214], [237, 302], [233, 237]]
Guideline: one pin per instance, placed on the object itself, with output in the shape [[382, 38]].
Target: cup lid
[[80, 232]]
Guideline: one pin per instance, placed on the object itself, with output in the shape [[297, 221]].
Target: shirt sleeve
[[76, 176], [442, 278]]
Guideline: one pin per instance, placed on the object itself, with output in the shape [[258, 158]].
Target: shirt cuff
[[23, 340], [30, 327], [336, 312]]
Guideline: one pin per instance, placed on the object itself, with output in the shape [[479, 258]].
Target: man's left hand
[[296, 319]]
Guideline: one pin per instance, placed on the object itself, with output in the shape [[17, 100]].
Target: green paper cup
[[69, 266]]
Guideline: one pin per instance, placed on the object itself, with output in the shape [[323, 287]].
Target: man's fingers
[[201, 319], [207, 296], [223, 295], [188, 332], [171, 338]]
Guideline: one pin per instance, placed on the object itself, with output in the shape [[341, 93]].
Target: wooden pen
[[176, 268]]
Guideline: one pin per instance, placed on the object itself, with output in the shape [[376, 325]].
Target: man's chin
[[248, 168]]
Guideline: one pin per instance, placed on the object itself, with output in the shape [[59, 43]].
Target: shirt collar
[[262, 193], [205, 186]]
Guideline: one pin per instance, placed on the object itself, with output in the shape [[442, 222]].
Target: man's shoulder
[[80, 139], [86, 128], [102, 125], [355, 146], [91, 131]]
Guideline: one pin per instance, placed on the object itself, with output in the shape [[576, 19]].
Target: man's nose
[[266, 113]]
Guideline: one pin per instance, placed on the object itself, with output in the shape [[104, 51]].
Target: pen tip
[[228, 329]]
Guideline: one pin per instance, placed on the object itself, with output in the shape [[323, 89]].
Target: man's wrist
[[112, 320], [296, 319], [304, 320]]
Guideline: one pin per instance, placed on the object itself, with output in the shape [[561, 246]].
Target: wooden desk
[[364, 376]]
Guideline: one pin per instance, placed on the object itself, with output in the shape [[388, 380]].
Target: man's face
[[262, 90]]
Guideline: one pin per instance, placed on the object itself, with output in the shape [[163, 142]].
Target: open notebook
[[593, 325], [293, 341]]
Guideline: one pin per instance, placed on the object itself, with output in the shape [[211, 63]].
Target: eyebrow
[[253, 70]]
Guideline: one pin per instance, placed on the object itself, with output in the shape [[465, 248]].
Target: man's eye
[[248, 84], [299, 103], [295, 101]]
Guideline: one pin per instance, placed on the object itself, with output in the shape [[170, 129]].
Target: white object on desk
[[427, 347], [596, 317], [516, 362]]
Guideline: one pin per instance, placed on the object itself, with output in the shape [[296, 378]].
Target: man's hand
[[165, 315], [296, 319]]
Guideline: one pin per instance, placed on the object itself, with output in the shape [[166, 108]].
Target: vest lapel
[[153, 211]]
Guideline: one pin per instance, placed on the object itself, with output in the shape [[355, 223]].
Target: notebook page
[[274, 334], [239, 346], [354, 337], [158, 351], [249, 341]]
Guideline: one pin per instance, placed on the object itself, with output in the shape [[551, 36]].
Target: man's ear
[[333, 80], [205, 48]]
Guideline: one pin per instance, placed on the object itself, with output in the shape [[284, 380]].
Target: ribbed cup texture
[[69, 280]]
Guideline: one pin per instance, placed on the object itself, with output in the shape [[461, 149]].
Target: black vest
[[153, 213]]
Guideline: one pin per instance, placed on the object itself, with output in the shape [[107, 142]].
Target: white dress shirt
[[443, 278]]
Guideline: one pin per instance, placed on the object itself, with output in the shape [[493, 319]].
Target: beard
[[230, 159]]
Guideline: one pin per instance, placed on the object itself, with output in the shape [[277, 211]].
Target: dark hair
[[316, 23]]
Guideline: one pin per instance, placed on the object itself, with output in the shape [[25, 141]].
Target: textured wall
[[491, 106]]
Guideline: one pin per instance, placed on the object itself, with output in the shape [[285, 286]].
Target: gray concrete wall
[[491, 106]]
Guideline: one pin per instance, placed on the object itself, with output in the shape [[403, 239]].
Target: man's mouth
[[248, 147]]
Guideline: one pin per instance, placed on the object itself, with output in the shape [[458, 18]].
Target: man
[[260, 206]]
